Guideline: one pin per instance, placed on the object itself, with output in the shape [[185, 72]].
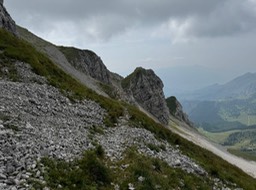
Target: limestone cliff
[[87, 62], [6, 21], [147, 90], [176, 110]]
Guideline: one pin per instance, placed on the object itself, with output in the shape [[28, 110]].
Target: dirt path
[[247, 166]]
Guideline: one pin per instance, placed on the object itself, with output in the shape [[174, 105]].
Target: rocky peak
[[176, 110], [87, 62], [6, 21], [147, 90]]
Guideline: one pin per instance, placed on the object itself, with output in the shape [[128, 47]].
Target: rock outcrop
[[147, 90], [176, 110], [6, 21], [37, 121], [87, 62]]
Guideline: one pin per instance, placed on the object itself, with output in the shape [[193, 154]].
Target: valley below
[[247, 166]]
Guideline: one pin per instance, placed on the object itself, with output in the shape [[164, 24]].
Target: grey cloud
[[232, 17], [101, 19]]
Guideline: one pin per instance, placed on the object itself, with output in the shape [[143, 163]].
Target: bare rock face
[[147, 90], [6, 21], [176, 110], [87, 62]]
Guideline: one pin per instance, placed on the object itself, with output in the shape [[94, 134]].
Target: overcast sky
[[189, 43]]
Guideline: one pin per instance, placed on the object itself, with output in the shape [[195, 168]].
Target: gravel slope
[[247, 166]]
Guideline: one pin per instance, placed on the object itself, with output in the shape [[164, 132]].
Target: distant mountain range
[[226, 114], [224, 107], [239, 88]]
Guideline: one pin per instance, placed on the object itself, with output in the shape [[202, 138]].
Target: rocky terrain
[[87, 62], [146, 88], [37, 121], [6, 21], [89, 69], [176, 110], [38, 118]]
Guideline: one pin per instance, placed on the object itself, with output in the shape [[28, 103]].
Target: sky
[[188, 43]]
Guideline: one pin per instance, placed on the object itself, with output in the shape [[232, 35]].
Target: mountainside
[[241, 87], [6, 21], [176, 110], [60, 129], [87, 62], [225, 107], [89, 69], [228, 110], [147, 90]]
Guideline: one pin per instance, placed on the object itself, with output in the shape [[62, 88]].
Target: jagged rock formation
[[147, 90], [6, 21], [36, 120], [176, 110], [88, 62], [60, 59], [85, 65]]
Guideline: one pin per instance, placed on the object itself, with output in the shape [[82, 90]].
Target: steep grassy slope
[[12, 48]]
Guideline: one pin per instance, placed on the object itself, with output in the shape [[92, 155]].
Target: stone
[[177, 162], [131, 186], [6, 22], [176, 110], [2, 176], [89, 63], [141, 179], [147, 90]]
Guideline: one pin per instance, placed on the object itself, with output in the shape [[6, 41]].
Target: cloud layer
[[103, 20]]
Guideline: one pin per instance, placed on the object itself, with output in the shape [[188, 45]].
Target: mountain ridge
[[242, 86], [58, 132]]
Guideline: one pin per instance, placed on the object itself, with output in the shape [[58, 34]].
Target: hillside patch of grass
[[210, 162], [67, 173], [250, 156], [94, 171], [171, 104], [14, 48], [126, 81], [90, 172]]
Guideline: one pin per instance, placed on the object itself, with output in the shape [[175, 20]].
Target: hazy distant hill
[[241, 87], [224, 107]]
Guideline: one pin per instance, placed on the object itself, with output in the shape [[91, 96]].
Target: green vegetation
[[7, 69], [172, 104], [96, 130], [153, 147], [213, 164], [12, 127], [217, 137], [109, 90], [93, 171], [150, 173], [240, 137], [241, 143], [138, 72], [248, 155], [225, 115], [14, 48], [70, 53], [90, 172]]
